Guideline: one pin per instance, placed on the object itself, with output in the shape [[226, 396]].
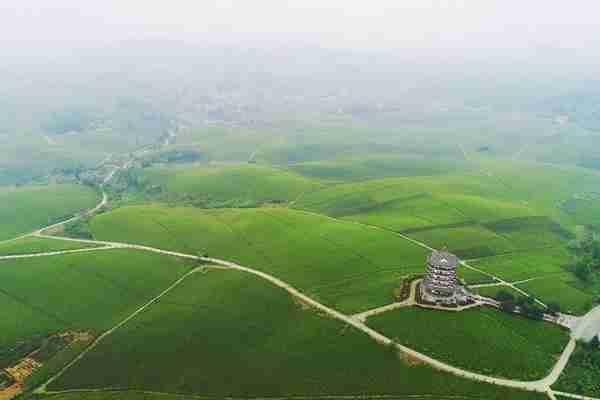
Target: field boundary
[[541, 385], [42, 389]]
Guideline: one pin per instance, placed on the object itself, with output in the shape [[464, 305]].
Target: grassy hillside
[[346, 265], [483, 340], [27, 208], [29, 245], [451, 198], [208, 336], [370, 167], [498, 208], [91, 291], [493, 191], [238, 185], [541, 263]]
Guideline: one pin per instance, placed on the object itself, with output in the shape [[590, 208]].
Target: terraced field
[[25, 209], [208, 335], [478, 339]]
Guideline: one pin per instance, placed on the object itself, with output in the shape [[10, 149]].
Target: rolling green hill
[[371, 167], [27, 208], [493, 210], [246, 185], [346, 265]]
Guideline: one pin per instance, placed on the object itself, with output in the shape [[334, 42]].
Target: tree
[[529, 308], [553, 308], [582, 271], [595, 342], [508, 306], [504, 296]]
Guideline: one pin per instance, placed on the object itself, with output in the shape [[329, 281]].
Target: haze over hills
[[208, 200], [75, 110]]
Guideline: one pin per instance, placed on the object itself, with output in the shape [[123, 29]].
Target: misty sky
[[506, 24]]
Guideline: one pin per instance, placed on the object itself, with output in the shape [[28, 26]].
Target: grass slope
[[370, 167], [230, 334], [528, 264], [91, 291], [451, 198], [240, 184], [346, 265], [25, 209], [483, 340], [496, 208]]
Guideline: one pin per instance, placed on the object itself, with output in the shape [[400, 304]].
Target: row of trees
[[525, 305], [587, 266]]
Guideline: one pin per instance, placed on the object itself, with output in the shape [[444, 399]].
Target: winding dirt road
[[542, 385]]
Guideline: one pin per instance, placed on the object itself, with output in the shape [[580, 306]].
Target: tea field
[[83, 291], [207, 336], [481, 339], [28, 208], [345, 265]]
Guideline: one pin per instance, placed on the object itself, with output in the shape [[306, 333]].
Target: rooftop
[[442, 257]]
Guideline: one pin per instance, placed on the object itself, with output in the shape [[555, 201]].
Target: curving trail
[[103, 202], [541, 385]]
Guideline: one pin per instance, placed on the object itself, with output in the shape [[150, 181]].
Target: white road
[[573, 395], [588, 326], [541, 385]]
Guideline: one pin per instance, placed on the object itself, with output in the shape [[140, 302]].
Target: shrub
[[504, 296]]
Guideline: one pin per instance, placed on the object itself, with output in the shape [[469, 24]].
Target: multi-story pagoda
[[440, 284]]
